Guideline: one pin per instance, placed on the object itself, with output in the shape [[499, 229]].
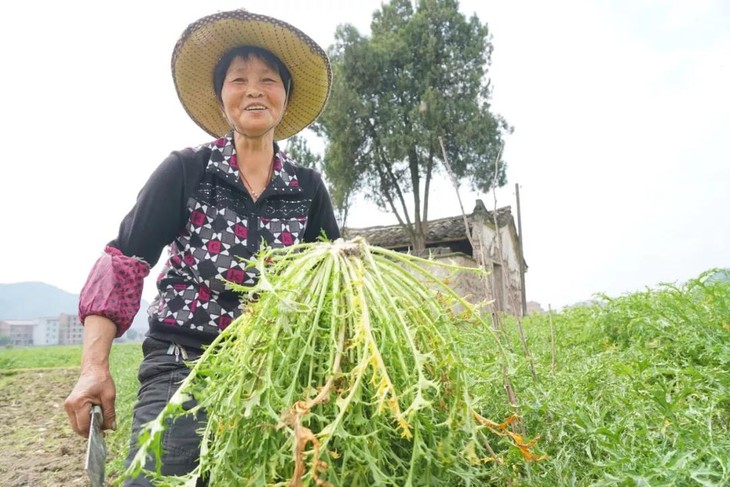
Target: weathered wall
[[501, 258], [470, 285], [511, 258]]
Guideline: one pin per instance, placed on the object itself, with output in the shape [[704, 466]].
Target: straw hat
[[208, 39]]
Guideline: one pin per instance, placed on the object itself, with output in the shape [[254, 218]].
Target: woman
[[248, 80]]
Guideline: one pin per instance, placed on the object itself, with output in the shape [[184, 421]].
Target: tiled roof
[[442, 230]]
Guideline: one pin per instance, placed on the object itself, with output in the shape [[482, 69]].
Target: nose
[[253, 92]]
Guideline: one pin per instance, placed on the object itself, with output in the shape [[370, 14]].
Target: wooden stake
[[552, 340], [481, 258], [522, 254]]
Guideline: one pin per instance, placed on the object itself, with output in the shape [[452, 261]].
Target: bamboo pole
[[499, 332], [553, 360], [500, 256], [522, 254]]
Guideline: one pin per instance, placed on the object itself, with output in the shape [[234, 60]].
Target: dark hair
[[219, 73]]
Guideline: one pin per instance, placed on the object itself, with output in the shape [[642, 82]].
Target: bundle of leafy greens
[[344, 370]]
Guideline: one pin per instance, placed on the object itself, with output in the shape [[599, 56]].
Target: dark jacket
[[196, 204]]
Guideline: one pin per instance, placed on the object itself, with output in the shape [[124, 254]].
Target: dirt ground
[[38, 447]]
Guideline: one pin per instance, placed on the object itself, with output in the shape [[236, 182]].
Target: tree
[[421, 75], [298, 149]]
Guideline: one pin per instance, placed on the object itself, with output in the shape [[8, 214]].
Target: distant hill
[[31, 300], [28, 300]]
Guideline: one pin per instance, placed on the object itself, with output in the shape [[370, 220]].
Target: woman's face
[[253, 96]]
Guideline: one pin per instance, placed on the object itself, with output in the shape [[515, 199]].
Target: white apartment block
[[46, 332], [61, 330]]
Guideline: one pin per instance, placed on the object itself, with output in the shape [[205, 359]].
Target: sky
[[621, 115]]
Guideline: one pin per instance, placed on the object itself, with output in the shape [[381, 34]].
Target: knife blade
[[95, 448]]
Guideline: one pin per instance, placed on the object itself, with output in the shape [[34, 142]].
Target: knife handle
[[97, 416]]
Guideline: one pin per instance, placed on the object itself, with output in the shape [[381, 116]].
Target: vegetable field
[[635, 393], [630, 391]]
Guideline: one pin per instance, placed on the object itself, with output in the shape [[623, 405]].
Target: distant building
[[19, 333], [62, 330], [70, 330], [533, 307], [46, 332], [494, 242]]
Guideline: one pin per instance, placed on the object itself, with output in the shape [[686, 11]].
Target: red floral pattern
[[114, 288]]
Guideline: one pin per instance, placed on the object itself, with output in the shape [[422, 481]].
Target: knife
[[95, 449]]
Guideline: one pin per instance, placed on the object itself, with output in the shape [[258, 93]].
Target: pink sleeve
[[114, 288]]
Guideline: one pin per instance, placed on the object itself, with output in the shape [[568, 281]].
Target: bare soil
[[38, 447]]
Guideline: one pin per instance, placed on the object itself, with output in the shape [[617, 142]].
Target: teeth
[[257, 107]]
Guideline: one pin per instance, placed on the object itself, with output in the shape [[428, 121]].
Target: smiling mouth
[[255, 108]]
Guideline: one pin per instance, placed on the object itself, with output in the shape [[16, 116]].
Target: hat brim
[[207, 40]]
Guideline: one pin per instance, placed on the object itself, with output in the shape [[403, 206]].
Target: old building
[[533, 307], [492, 241], [70, 330], [61, 330], [17, 333]]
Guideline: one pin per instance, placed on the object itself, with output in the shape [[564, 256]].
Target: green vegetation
[[421, 75], [639, 393], [124, 361], [345, 371], [39, 357]]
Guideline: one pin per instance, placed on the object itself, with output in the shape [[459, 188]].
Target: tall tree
[[298, 149], [421, 75]]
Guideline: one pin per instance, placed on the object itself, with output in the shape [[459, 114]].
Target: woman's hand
[[95, 384]]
